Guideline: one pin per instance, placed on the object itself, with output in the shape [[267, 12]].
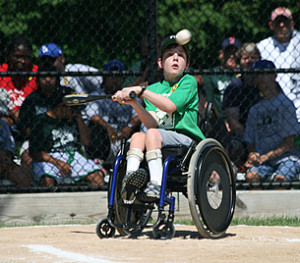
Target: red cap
[[281, 11]]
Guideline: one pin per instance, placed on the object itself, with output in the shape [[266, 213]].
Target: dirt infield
[[79, 243]]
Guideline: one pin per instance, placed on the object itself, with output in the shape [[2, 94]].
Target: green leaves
[[93, 32]]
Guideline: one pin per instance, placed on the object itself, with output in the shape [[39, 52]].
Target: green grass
[[272, 221]]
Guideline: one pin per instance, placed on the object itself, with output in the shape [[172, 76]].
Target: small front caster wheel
[[104, 229], [164, 231]]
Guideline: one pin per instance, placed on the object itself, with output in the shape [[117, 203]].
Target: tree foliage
[[93, 32]]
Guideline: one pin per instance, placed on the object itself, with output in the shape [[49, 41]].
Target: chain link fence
[[97, 47]]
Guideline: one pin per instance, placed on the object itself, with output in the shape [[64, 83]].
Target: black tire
[[104, 229], [134, 217], [163, 231], [211, 189]]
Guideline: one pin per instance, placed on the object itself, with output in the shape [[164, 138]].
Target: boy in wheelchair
[[170, 116]]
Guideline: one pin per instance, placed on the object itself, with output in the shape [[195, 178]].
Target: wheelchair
[[202, 172]]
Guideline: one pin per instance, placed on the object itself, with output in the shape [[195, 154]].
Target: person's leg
[[252, 177], [155, 140], [259, 173], [45, 174], [47, 181], [154, 143], [286, 171], [135, 179], [135, 154], [20, 176], [95, 178]]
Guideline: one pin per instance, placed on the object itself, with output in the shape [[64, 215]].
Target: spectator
[[283, 49], [170, 116], [39, 101], [270, 131], [81, 84], [9, 170], [242, 92], [54, 142], [215, 85], [36, 103], [239, 96], [18, 56], [110, 121]]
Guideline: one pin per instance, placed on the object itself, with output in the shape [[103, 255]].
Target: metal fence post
[[152, 42]]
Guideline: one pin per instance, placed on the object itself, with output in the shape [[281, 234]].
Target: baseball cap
[[50, 50], [4, 101], [263, 63], [113, 65], [61, 91], [281, 11], [231, 41], [169, 41]]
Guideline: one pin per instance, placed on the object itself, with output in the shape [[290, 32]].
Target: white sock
[[134, 158], [156, 170], [133, 163]]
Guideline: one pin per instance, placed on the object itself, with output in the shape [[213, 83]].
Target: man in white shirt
[[81, 84], [283, 49]]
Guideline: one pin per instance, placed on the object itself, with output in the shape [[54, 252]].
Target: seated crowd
[[45, 143]]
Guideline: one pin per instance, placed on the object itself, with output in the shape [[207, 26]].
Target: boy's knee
[[137, 136], [252, 177]]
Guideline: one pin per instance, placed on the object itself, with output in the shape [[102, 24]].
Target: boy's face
[[263, 81], [47, 84], [173, 62], [20, 59], [248, 59]]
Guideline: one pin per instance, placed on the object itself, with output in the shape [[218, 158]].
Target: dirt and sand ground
[[79, 243]]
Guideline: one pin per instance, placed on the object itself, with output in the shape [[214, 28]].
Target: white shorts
[[80, 166]]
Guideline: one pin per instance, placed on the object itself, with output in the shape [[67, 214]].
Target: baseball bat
[[80, 99]]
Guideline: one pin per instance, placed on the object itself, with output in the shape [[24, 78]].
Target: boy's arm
[[232, 115], [147, 117], [159, 101], [64, 168]]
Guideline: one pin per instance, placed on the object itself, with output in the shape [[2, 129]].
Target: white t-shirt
[[82, 84], [285, 56]]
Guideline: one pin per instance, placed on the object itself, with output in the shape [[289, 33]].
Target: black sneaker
[[150, 194], [132, 184]]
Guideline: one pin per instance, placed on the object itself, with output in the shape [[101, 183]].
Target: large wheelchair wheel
[[211, 189], [132, 218]]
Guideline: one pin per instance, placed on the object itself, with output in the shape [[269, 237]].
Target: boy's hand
[[112, 134], [124, 96], [64, 168], [253, 159]]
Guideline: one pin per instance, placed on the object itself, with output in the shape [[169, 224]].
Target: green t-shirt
[[215, 86], [184, 95], [53, 135]]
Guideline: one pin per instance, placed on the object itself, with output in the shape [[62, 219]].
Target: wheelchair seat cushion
[[174, 150]]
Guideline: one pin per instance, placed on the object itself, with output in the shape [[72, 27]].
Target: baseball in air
[[183, 37]]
